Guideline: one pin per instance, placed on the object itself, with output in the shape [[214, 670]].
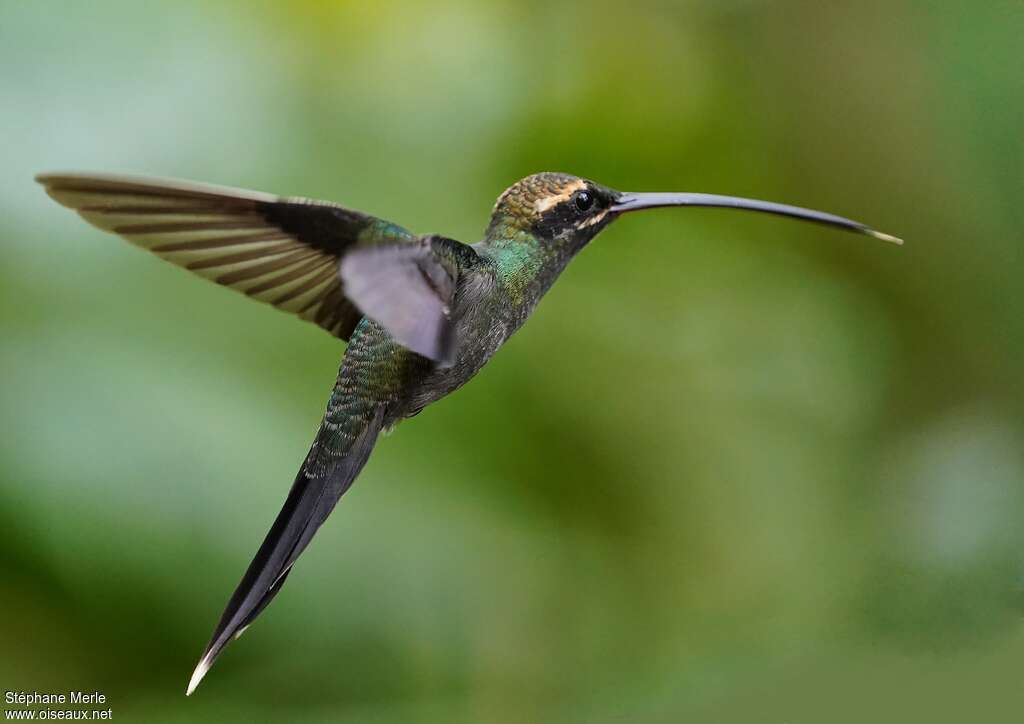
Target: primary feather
[[282, 251]]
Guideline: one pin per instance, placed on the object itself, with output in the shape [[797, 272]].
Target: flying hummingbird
[[421, 314]]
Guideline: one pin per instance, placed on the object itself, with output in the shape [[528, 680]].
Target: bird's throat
[[525, 267]]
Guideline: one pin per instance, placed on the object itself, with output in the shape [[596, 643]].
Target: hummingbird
[[421, 314]]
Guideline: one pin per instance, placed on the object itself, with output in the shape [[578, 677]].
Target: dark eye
[[584, 200]]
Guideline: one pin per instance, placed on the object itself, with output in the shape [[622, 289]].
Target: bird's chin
[[598, 227]]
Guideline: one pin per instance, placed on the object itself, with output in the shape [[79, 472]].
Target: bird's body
[[421, 314]]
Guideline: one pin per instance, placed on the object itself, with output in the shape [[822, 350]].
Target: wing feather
[[282, 251], [409, 290]]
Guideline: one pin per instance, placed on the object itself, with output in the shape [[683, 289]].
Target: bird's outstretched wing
[[282, 251]]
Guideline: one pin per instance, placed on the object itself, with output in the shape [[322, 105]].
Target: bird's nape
[[627, 202]]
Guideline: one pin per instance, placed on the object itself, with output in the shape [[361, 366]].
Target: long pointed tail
[[313, 496]]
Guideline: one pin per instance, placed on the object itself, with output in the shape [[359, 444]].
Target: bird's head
[[554, 208], [566, 211]]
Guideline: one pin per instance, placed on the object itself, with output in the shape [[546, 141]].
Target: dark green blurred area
[[735, 469]]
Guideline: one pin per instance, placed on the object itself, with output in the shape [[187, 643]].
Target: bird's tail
[[313, 496]]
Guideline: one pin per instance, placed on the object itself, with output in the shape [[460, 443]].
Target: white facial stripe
[[594, 219], [542, 205]]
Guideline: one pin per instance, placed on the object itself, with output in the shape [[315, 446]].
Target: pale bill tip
[[201, 668], [886, 237]]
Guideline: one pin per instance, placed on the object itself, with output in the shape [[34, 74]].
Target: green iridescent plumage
[[422, 314]]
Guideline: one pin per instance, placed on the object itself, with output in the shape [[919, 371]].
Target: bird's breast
[[480, 332], [491, 305]]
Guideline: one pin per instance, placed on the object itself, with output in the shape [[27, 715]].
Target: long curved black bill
[[637, 201]]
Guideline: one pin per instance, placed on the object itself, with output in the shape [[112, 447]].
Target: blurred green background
[[735, 469]]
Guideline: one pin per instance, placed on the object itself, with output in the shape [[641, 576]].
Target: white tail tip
[[201, 668]]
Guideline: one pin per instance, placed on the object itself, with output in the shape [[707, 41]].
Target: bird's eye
[[584, 200]]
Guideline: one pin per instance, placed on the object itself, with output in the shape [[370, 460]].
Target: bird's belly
[[480, 336]]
